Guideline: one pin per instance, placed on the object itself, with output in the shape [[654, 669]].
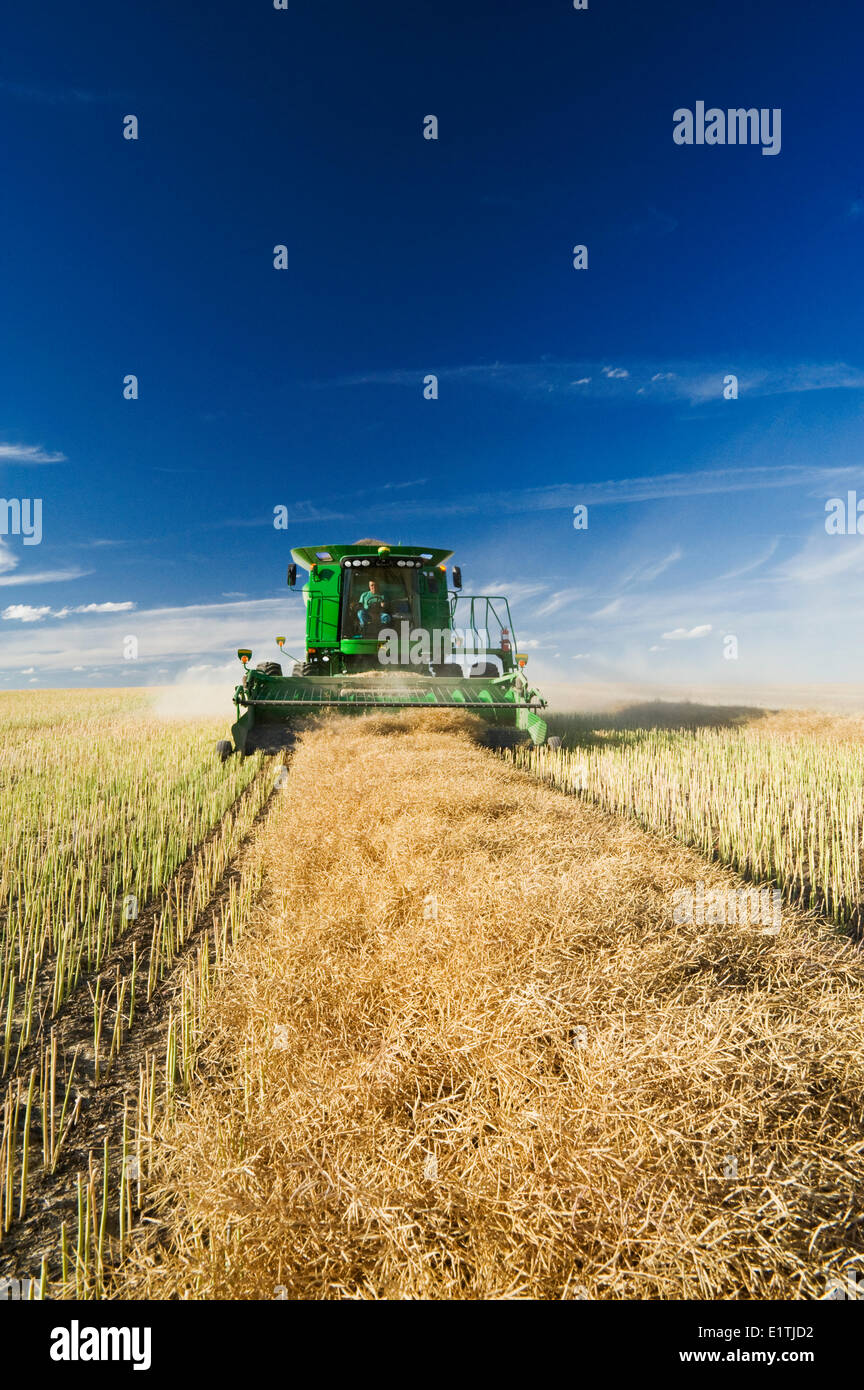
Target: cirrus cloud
[[27, 613], [28, 453], [685, 634]]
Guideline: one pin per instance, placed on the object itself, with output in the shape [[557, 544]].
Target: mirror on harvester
[[292, 576], [457, 577]]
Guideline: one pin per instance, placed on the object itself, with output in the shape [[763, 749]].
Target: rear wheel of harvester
[[269, 668], [224, 748]]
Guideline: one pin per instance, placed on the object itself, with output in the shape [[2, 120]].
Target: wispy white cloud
[[623, 491], [684, 634], [650, 570], [753, 564], [563, 598], [695, 382], [10, 561], [28, 453], [823, 558], [597, 493], [516, 593], [43, 577], [100, 543], [609, 610]]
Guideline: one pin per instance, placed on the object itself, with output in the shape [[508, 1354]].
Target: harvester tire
[[449, 670], [485, 669], [224, 748], [269, 668]]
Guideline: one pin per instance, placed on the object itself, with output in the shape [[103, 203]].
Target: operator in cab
[[371, 600]]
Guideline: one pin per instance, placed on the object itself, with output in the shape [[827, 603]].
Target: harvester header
[[384, 630]]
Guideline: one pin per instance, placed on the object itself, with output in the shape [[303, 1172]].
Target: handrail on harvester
[[490, 600]]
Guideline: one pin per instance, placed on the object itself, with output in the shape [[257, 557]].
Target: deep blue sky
[[409, 256]]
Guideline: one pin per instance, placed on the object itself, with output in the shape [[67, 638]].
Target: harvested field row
[[780, 803], [465, 1052], [97, 812], [74, 1089]]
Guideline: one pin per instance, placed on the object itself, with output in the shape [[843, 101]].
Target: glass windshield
[[377, 596]]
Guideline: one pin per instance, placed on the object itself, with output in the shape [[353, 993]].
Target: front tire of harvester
[[224, 748], [269, 668]]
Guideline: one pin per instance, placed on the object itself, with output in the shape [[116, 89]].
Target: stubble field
[[414, 1021]]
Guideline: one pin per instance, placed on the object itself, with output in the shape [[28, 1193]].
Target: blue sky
[[304, 387]]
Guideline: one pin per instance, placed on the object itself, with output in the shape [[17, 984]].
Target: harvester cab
[[384, 631]]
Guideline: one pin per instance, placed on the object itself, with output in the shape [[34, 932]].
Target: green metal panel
[[360, 646], [322, 607]]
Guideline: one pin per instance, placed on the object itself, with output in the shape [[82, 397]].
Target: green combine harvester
[[384, 632]]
